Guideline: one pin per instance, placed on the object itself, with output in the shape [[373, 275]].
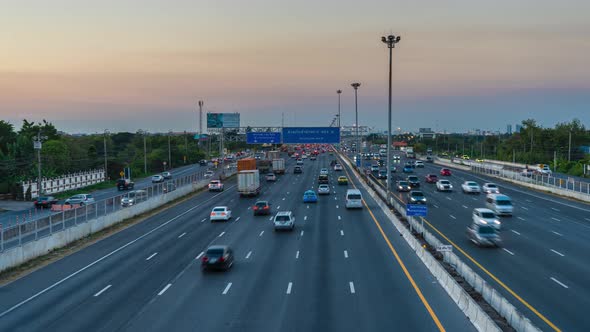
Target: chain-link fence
[[73, 215]]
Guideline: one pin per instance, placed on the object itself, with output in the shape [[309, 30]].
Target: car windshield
[[403, 183], [491, 185], [504, 202], [444, 182], [488, 215], [354, 196], [261, 204], [215, 252], [417, 194], [43, 198], [323, 187], [486, 230], [218, 209], [413, 178], [472, 184], [282, 218]]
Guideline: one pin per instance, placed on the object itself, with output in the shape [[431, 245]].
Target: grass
[[85, 190]]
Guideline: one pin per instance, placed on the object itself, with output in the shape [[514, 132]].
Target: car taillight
[[213, 213], [221, 259], [266, 207], [255, 208], [205, 259], [223, 213]]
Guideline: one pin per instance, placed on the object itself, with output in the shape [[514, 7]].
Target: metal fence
[[45, 225]]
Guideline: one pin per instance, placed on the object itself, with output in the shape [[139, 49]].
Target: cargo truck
[[246, 164], [274, 155], [249, 183], [263, 165], [278, 166]]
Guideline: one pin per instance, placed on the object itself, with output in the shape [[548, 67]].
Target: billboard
[[303, 135], [223, 120], [263, 137]]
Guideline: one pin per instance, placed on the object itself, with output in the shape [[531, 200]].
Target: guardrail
[[479, 318], [59, 221]]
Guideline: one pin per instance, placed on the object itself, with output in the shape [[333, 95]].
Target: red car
[[431, 178], [261, 207], [445, 172]]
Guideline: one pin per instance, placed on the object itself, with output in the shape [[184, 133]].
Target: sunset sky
[[128, 65]]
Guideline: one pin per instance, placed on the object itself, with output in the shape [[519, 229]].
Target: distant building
[[518, 128], [426, 133], [509, 129]]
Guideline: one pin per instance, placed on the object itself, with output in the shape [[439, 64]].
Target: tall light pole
[[37, 143], [339, 92], [169, 152], [390, 40], [356, 112], [201, 103], [569, 149], [144, 153], [106, 169]]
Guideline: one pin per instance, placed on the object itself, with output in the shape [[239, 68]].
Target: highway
[[542, 266], [334, 272]]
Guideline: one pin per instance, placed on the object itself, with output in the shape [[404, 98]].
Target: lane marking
[[297, 255], [200, 255], [515, 232], [508, 251], [221, 234], [452, 216], [164, 290], [465, 207], [345, 254], [450, 199], [278, 207], [305, 218], [283, 198], [559, 283], [341, 233], [336, 206], [436, 206], [238, 218], [554, 209], [301, 234], [351, 285], [102, 291], [181, 235], [555, 219], [151, 256], [528, 200], [335, 198], [226, 289], [308, 206], [557, 252], [339, 218], [270, 218], [289, 287], [57, 283], [588, 219], [203, 220], [261, 233], [473, 198], [554, 232], [248, 254], [521, 218], [522, 207]]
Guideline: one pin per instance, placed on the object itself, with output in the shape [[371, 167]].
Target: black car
[[217, 257], [297, 169], [413, 181], [203, 162], [382, 174], [125, 184], [323, 179], [45, 202], [261, 207]]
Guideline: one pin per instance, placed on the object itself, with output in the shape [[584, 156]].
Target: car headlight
[[497, 221]]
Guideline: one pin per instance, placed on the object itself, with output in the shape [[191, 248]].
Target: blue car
[[310, 197], [408, 169]]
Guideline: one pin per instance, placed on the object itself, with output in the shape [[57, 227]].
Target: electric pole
[[37, 143], [106, 166]]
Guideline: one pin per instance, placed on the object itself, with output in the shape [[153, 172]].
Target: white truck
[[273, 155], [410, 152], [278, 166], [249, 183]]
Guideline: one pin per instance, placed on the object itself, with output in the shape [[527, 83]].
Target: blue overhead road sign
[[263, 138], [416, 210], [302, 135]]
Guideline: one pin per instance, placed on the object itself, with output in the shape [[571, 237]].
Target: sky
[[127, 65]]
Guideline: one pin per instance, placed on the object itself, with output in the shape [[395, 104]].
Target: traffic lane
[[363, 235], [192, 301]]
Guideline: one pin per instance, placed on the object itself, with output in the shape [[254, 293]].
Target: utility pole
[[555, 160], [390, 41], [513, 156], [169, 152], [106, 168], [144, 154], [201, 103], [339, 92], [37, 143], [569, 149], [356, 111], [185, 147]]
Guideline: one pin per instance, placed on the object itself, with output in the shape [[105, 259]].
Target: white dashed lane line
[[450, 199], [351, 285], [557, 252], [164, 289], [556, 233], [289, 287], [227, 288], [515, 232], [221, 234], [341, 233], [554, 209], [524, 208], [301, 234], [238, 218], [559, 282], [508, 251], [262, 232], [248, 254], [345, 254], [520, 218], [200, 255], [203, 220], [336, 206], [181, 235], [305, 218], [102, 291], [452, 216], [465, 207], [297, 255], [151, 256], [436, 206], [555, 219], [339, 218]]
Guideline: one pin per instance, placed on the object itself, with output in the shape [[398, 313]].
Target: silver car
[[324, 189], [284, 220], [80, 199], [490, 188]]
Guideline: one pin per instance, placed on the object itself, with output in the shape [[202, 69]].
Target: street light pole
[[106, 169], [569, 149], [201, 103], [37, 142], [169, 152], [339, 92], [356, 112], [390, 40], [144, 154]]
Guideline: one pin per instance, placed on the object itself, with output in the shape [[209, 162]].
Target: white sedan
[[470, 187], [209, 174], [324, 189], [490, 188], [220, 213], [337, 167], [157, 178], [444, 185]]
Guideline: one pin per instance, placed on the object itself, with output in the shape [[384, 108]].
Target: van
[[500, 204], [354, 199]]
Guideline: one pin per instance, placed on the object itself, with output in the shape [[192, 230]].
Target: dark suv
[[125, 184], [413, 181], [297, 169]]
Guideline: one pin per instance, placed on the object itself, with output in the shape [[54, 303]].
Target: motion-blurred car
[[431, 178], [323, 179], [157, 178], [271, 177], [125, 184], [342, 180], [445, 172], [215, 185], [217, 257], [479, 160], [490, 188], [417, 197], [382, 174], [486, 217], [403, 186], [323, 189], [393, 169], [444, 185], [408, 169], [203, 162], [220, 213], [324, 171], [313, 157], [134, 197], [310, 196], [470, 187], [261, 208], [374, 168], [169, 186], [45, 201], [483, 235], [297, 170]]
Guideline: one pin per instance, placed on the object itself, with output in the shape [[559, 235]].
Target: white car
[[324, 189], [470, 187], [215, 185], [483, 216], [419, 163], [284, 220], [220, 213], [303, 156], [209, 174], [444, 185], [167, 175], [324, 171], [157, 178], [337, 167], [490, 188]]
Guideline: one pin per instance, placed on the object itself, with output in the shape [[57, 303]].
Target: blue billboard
[[263, 138], [416, 210], [305, 135]]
